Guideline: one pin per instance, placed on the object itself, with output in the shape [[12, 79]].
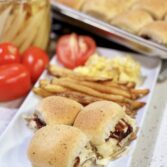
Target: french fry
[[46, 85], [131, 85], [127, 84], [90, 91], [63, 72], [82, 98], [102, 88], [41, 92], [54, 88], [114, 84], [43, 82], [140, 92], [122, 82], [135, 105], [134, 96], [58, 71]]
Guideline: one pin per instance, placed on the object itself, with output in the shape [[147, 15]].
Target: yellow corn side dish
[[119, 68]]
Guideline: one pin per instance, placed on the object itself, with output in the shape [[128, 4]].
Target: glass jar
[[25, 23]]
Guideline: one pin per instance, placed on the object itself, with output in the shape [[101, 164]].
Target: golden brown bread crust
[[97, 117], [76, 4], [106, 9], [157, 8], [59, 110], [100, 121], [156, 31], [132, 20], [56, 145]]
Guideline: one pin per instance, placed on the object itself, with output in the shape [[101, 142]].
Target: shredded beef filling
[[122, 130], [39, 122], [77, 162], [34, 121]]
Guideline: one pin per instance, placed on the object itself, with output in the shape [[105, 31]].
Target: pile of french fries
[[86, 89]]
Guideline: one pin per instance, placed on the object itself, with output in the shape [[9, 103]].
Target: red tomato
[[73, 50], [15, 81], [9, 53], [36, 60]]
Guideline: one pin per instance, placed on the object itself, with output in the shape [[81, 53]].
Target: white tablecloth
[[5, 117], [7, 112]]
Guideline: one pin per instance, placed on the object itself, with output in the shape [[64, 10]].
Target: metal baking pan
[[108, 31]]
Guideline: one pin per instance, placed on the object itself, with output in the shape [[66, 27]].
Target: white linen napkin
[[7, 112], [6, 115]]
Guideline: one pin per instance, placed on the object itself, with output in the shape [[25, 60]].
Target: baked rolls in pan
[[155, 31], [147, 18], [132, 20], [75, 4], [105, 9], [157, 8]]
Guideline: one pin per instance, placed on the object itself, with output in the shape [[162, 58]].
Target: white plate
[[14, 141]]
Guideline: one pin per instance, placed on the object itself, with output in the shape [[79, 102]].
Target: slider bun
[[99, 9], [59, 110], [105, 9], [156, 31], [97, 120], [157, 8], [56, 146], [132, 20], [76, 4]]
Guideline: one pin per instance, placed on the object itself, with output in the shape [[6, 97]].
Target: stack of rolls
[[77, 136], [145, 18]]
